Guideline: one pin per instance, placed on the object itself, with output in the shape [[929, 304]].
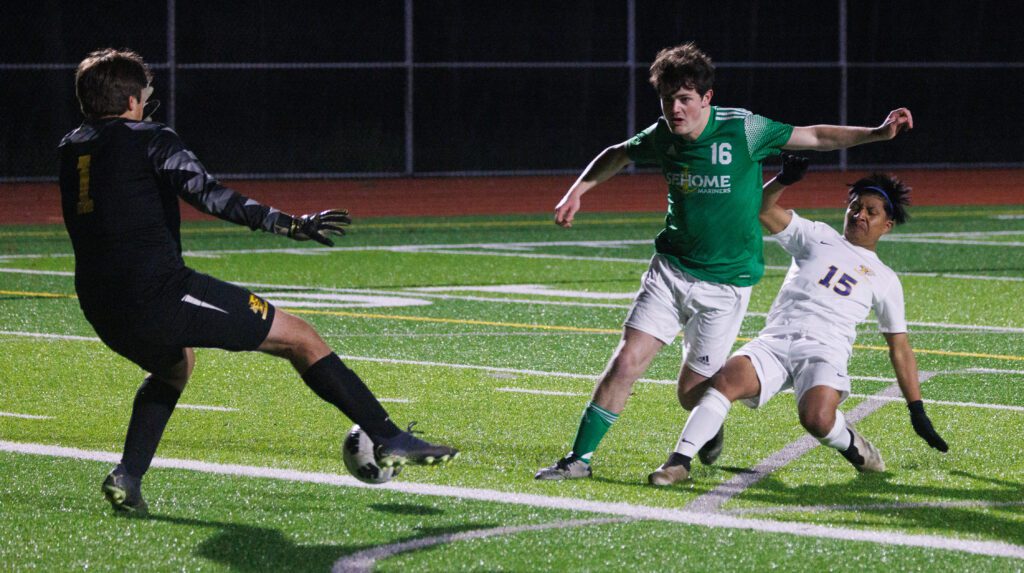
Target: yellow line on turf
[[946, 353], [605, 330], [551, 327], [39, 294]]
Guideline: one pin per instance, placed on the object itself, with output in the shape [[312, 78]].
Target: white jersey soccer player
[[833, 283], [831, 286]]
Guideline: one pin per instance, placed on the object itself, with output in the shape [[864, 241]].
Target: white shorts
[[795, 361], [710, 314]]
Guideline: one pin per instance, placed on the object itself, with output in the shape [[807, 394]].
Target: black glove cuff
[[787, 181], [283, 223], [916, 407]]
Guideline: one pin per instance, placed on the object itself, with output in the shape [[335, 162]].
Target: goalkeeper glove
[[793, 168], [923, 426], [315, 226]]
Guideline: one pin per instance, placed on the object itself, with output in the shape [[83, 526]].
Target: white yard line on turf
[[520, 249], [930, 241], [417, 294], [534, 290], [204, 407], [541, 392], [50, 336], [939, 402], [716, 520], [307, 299], [573, 375], [873, 506], [24, 416], [945, 235]]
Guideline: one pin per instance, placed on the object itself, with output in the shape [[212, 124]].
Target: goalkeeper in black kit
[[120, 181]]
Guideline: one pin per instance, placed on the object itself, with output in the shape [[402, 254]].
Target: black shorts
[[198, 312]]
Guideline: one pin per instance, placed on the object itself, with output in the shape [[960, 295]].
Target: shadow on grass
[[405, 509], [698, 485], [249, 548], [874, 498]]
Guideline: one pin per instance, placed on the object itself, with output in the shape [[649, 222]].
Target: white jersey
[[831, 286]]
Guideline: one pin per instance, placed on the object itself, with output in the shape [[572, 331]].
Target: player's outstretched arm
[[179, 169], [832, 137], [603, 167], [905, 365], [772, 216]]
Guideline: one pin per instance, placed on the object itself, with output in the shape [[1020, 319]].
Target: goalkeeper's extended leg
[[324, 372]]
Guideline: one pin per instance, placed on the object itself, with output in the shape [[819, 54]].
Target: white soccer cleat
[[872, 458], [668, 475], [565, 468]]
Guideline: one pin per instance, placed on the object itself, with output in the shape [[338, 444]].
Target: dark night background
[[516, 86]]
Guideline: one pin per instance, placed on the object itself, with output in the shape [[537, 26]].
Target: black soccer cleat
[[406, 448], [124, 492], [710, 451]]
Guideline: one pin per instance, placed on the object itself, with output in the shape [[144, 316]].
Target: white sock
[[704, 422], [839, 437]]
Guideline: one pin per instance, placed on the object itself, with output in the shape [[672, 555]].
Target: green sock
[[593, 426]]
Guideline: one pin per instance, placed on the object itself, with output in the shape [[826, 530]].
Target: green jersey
[[714, 192]]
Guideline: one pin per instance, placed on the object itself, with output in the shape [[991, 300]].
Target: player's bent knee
[[292, 338], [177, 375], [689, 397], [737, 379], [818, 422], [629, 362]]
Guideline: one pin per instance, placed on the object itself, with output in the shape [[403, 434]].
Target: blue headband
[[881, 192]]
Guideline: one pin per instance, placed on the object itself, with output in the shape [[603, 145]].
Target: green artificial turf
[[504, 375]]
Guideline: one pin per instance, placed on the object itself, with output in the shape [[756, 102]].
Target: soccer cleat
[[124, 492], [565, 468], [872, 458], [709, 452], [670, 472], [406, 448]]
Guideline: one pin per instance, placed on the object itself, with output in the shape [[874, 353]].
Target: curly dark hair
[[106, 78], [683, 66], [893, 191]]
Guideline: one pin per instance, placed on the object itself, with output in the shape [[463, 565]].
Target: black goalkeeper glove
[[923, 426], [317, 226], [793, 168]]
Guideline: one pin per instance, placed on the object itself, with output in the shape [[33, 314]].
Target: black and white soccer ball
[[357, 453]]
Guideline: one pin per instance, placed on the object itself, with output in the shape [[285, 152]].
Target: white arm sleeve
[[801, 232], [890, 309]]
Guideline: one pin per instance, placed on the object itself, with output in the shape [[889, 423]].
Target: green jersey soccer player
[[710, 252]]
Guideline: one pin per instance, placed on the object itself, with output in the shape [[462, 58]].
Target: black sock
[[337, 384], [677, 459], [852, 454], [153, 406]]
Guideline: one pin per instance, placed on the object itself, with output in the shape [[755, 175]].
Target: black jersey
[[120, 181]]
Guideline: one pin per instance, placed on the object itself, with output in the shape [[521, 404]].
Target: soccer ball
[[357, 453]]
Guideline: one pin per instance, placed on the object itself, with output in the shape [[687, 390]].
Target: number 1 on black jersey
[[84, 200]]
